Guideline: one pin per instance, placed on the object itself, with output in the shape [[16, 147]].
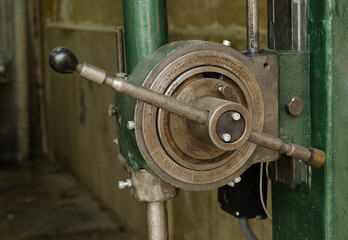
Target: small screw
[[226, 43], [112, 111], [236, 116], [226, 137], [258, 217], [237, 213], [124, 184], [237, 180], [130, 125]]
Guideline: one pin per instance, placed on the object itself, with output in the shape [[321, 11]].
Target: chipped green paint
[[320, 210]]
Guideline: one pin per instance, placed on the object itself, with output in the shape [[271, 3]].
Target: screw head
[[237, 180], [226, 43], [226, 137], [124, 184], [237, 213], [294, 106], [236, 116], [112, 110], [130, 125]]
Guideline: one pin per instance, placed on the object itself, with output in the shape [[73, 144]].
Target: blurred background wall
[[66, 118]]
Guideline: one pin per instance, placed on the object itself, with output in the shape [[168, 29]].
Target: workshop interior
[[173, 119]]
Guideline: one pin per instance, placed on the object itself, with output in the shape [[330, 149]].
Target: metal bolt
[[226, 137], [294, 106], [226, 90], [130, 125], [237, 213], [124, 184], [237, 180], [236, 116], [226, 43], [112, 110]]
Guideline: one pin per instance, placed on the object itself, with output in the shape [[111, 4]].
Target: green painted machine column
[[319, 210], [146, 28]]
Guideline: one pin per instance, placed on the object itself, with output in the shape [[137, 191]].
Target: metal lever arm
[[64, 61]]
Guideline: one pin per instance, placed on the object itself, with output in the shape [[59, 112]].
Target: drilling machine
[[193, 114]]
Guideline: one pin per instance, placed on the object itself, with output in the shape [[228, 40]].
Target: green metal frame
[[320, 210]]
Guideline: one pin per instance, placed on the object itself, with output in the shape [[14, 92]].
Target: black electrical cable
[[246, 230]]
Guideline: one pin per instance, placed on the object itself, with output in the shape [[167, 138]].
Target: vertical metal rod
[[120, 50], [156, 220], [253, 26]]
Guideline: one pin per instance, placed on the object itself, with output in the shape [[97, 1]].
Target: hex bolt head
[[226, 43], [294, 106], [130, 125], [237, 180], [124, 184], [112, 110], [236, 116], [226, 137]]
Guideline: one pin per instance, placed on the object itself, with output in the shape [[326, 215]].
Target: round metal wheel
[[167, 141]]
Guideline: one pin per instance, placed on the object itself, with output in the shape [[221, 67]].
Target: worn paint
[[320, 210]]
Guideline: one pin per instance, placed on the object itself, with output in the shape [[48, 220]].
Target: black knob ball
[[63, 60]]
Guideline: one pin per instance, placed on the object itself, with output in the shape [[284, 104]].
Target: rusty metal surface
[[163, 79], [312, 157], [253, 43], [120, 50]]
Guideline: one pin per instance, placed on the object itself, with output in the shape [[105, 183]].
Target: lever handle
[[63, 60]]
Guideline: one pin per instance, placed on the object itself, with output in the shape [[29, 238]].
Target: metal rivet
[[226, 137], [124, 184], [226, 43], [130, 125], [294, 106], [236, 116], [112, 111]]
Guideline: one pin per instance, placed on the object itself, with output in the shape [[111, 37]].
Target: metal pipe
[[156, 220], [145, 28], [157, 99], [311, 156], [252, 26]]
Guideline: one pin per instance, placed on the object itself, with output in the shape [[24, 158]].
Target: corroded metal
[[120, 50], [310, 156], [253, 43], [171, 76]]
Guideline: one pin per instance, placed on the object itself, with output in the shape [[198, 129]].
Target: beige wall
[[81, 133]]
